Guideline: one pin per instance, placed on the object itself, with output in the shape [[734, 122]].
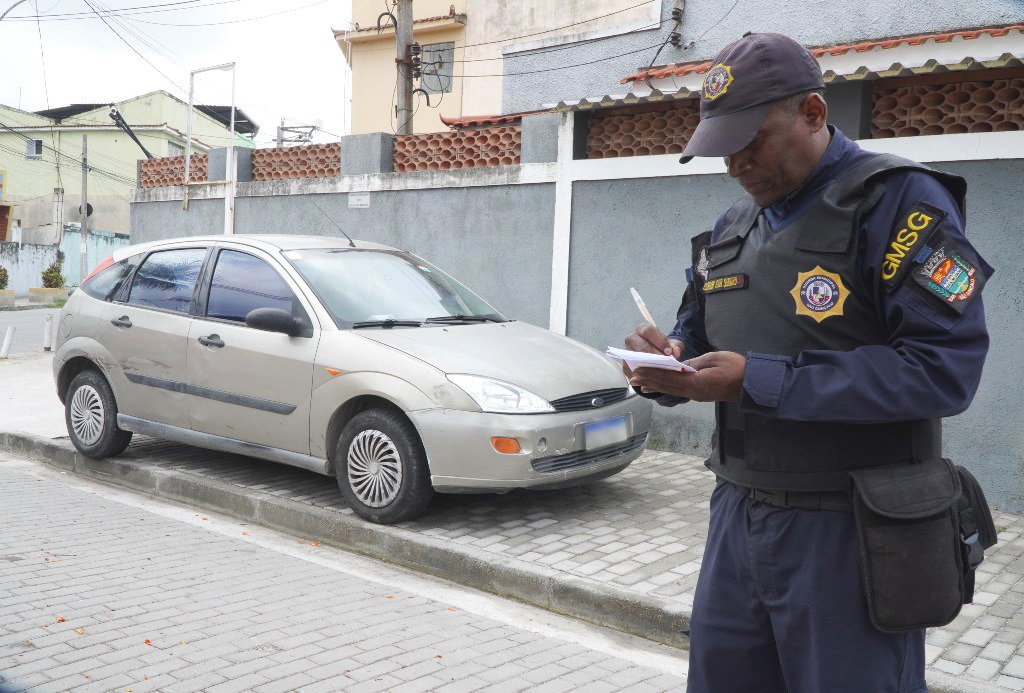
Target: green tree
[[4, 278]]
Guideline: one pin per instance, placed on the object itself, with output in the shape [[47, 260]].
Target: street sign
[[89, 206]]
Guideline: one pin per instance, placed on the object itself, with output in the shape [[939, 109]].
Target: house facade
[[41, 157], [464, 45]]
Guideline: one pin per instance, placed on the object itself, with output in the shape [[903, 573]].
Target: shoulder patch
[[948, 275], [908, 239]]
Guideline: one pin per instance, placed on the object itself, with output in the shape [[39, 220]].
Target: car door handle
[[123, 321], [213, 341]]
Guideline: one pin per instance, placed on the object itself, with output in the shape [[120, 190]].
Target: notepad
[[642, 359]]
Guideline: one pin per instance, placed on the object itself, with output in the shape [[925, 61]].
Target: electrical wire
[[124, 11], [563, 67], [231, 21], [509, 39], [46, 90], [555, 49], [179, 87]]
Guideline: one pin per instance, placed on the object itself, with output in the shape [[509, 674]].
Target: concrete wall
[[608, 257], [495, 239], [598, 66], [99, 246], [25, 265]]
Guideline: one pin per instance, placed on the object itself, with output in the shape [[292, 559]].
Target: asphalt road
[[28, 326]]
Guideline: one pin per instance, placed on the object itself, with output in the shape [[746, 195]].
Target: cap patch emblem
[[819, 294], [717, 81]]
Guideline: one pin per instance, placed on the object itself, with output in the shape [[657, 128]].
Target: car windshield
[[369, 286]]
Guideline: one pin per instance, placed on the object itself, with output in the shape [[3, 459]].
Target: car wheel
[[91, 416], [382, 467]]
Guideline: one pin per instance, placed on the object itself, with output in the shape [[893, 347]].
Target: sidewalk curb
[[507, 577]]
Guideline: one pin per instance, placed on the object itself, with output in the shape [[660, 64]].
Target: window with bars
[[33, 149]]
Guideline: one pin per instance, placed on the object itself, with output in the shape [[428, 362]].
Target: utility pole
[[280, 133], [403, 43], [83, 247]]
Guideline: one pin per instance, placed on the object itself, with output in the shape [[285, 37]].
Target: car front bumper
[[462, 459]]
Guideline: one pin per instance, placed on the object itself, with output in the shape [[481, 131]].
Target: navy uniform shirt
[[931, 363]]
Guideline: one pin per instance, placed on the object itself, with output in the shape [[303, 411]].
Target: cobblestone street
[[99, 595]]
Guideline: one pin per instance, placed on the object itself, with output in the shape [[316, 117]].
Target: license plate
[[599, 434]]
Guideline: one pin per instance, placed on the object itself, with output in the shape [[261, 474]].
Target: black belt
[[803, 500]]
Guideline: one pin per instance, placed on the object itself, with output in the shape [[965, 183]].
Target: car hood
[[539, 360]]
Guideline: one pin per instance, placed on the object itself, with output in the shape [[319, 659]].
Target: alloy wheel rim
[[87, 415], [374, 468]]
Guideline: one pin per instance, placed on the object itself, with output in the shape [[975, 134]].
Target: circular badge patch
[[819, 294], [717, 81]]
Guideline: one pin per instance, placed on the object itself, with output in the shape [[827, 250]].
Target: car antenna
[[350, 241]]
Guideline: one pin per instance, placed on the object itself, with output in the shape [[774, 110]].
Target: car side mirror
[[273, 320]]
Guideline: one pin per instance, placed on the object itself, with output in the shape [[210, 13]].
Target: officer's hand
[[719, 378], [649, 339]]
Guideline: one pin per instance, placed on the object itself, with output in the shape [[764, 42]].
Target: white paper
[[641, 359]]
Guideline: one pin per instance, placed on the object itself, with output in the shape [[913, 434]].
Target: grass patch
[[59, 303]]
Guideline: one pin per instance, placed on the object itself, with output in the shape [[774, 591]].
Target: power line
[[133, 48], [124, 11], [564, 67], [46, 89], [509, 39], [230, 21], [66, 156]]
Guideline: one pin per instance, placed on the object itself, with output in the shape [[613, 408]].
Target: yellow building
[[41, 154], [464, 42]]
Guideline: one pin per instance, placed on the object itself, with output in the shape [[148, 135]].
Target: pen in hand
[[647, 316], [643, 308]]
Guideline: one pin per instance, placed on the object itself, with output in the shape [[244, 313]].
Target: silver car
[[345, 358]]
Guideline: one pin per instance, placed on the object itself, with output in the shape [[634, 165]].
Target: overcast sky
[[288, 64]]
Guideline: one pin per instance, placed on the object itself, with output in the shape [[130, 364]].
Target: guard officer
[[834, 315]]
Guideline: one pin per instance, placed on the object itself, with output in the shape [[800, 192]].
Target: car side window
[[166, 279], [106, 283], [242, 282]]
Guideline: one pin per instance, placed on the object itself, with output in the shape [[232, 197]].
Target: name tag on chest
[[733, 281]]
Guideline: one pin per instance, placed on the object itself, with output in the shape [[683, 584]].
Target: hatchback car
[[350, 359]]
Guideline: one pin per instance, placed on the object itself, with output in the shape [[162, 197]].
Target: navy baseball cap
[[745, 78]]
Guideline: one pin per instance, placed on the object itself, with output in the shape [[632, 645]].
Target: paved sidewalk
[[28, 323], [96, 595]]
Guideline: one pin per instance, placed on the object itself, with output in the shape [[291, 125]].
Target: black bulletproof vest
[[794, 290]]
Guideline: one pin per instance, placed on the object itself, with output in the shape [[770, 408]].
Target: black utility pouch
[[912, 560], [977, 530]]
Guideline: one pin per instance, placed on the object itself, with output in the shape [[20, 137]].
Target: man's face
[[778, 159]]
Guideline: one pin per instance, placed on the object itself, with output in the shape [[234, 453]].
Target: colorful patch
[[909, 237], [717, 81], [951, 277], [819, 294], [733, 281]]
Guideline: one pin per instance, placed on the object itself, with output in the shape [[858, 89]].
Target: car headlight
[[499, 397]]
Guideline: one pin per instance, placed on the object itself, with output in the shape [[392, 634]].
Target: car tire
[[90, 413], [381, 467]]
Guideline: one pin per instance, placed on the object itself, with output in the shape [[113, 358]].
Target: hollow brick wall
[[170, 170], [642, 130], [311, 161], [995, 105], [476, 148]]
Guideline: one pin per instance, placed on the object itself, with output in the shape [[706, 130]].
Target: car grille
[[581, 458], [585, 401]]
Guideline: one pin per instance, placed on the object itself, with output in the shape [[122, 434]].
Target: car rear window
[[104, 285], [167, 278]]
